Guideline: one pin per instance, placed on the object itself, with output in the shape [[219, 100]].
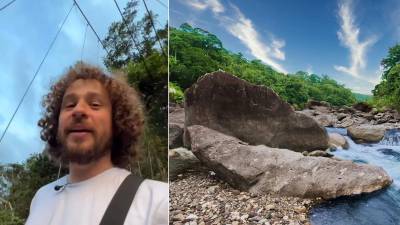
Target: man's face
[[85, 122]]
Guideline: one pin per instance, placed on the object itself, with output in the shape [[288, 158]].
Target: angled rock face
[[260, 169], [252, 113]]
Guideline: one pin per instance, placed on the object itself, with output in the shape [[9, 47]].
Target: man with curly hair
[[91, 124]]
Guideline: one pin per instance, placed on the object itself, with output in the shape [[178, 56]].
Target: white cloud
[[242, 28], [214, 5], [349, 37]]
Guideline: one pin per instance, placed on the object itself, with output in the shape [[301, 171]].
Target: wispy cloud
[[214, 5], [349, 37], [241, 27], [309, 69]]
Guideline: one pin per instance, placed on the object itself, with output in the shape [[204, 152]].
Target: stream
[[379, 208]]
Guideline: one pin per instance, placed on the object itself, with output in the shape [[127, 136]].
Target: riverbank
[[198, 197]]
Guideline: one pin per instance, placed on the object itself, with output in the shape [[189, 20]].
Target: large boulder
[[252, 113], [176, 126], [261, 169], [366, 133]]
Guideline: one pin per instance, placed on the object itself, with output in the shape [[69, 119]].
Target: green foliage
[[175, 93], [153, 161], [194, 52], [7, 217], [24, 180], [362, 97], [387, 92]]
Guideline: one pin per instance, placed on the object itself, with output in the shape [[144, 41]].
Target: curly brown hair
[[127, 114]]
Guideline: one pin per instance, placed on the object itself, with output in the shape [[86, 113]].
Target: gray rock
[[366, 133], [341, 116], [320, 153], [176, 126], [261, 169], [337, 140], [252, 113], [346, 122], [180, 160], [362, 106], [326, 120]]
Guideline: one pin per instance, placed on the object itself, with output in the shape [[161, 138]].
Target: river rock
[[362, 106], [366, 133], [344, 123], [260, 169], [313, 103], [176, 126], [319, 153], [252, 113], [326, 120], [341, 116], [180, 160], [337, 140]]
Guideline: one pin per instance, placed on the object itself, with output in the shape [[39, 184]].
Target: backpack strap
[[118, 208]]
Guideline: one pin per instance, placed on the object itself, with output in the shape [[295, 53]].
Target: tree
[[194, 52], [24, 180], [386, 93], [134, 49]]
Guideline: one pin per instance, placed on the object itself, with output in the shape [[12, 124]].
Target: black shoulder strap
[[118, 208]]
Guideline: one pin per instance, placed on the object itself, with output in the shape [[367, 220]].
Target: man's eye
[[95, 104], [69, 105]]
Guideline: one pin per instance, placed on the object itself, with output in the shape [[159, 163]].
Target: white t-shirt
[[84, 203]]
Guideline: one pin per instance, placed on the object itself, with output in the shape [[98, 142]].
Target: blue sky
[[27, 28], [345, 39]]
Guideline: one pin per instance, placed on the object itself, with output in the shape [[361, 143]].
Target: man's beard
[[81, 156]]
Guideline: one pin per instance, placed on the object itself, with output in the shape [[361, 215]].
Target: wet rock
[[336, 140], [366, 133]]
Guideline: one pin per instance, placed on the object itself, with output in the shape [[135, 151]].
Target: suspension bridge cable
[[8, 4], [91, 27], [133, 39], [36, 73], [84, 40], [154, 28]]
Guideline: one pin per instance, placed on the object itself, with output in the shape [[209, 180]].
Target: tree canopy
[[194, 52]]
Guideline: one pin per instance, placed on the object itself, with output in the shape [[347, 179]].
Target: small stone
[[235, 192], [212, 189], [244, 217], [235, 223], [191, 217], [270, 207], [178, 217], [235, 216], [300, 209], [285, 218]]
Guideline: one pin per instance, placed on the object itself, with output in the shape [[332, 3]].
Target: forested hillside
[[194, 52]]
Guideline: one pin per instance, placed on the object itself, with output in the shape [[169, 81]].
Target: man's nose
[[80, 110]]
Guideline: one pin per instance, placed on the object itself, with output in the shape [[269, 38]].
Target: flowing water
[[379, 208]]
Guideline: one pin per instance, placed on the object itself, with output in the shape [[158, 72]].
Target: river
[[379, 208]]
